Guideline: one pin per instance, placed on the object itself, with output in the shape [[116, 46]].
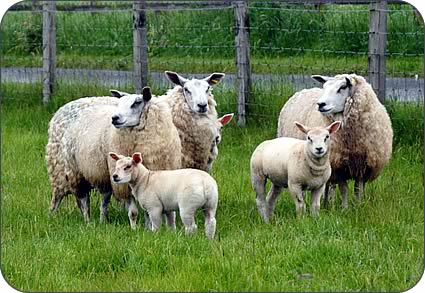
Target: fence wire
[[289, 42]]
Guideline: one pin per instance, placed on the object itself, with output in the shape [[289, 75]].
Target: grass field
[[376, 245]]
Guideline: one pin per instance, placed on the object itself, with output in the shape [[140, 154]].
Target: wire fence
[[282, 44]]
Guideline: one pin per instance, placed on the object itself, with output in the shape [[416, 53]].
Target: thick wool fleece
[[197, 131], [363, 145], [81, 135]]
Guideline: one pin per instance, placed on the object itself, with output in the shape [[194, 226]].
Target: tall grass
[[275, 31], [376, 245]]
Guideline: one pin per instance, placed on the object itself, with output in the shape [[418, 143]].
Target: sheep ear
[[214, 78], [146, 92], [225, 119], [118, 94], [175, 78], [334, 127], [137, 158], [348, 82], [114, 156], [320, 78], [301, 127]]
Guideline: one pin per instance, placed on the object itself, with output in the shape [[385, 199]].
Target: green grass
[[376, 245]]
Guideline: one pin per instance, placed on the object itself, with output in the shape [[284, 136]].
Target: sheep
[[222, 121], [83, 131], [295, 164], [194, 115], [363, 146], [186, 190]]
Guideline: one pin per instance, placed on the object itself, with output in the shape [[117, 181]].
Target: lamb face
[[336, 90], [318, 138], [124, 167], [129, 108], [196, 91]]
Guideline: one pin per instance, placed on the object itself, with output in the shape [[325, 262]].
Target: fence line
[[377, 39]]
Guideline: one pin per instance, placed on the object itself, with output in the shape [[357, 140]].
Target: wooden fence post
[[377, 47], [49, 49], [140, 46], [242, 58]]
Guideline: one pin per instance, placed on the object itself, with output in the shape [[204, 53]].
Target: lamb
[[186, 190], [296, 164], [81, 134], [222, 121], [194, 114], [363, 146]]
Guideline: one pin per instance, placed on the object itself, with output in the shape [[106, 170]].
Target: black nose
[[319, 149], [321, 105], [115, 176], [202, 107], [115, 119]]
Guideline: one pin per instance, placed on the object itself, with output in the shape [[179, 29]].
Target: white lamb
[[363, 146], [194, 115], [296, 164], [186, 190], [81, 133]]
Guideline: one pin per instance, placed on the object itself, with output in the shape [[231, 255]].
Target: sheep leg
[[271, 200], [148, 224], [298, 197], [329, 194], [358, 189], [210, 222], [55, 202], [104, 208], [170, 218], [188, 219], [259, 186], [155, 216], [131, 207], [316, 194], [83, 202], [343, 188]]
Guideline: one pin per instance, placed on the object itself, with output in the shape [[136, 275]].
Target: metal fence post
[[243, 68], [377, 47], [140, 46], [49, 49]]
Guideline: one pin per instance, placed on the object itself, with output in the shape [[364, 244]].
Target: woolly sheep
[[81, 134], [363, 146], [222, 121], [296, 164], [186, 190], [194, 115]]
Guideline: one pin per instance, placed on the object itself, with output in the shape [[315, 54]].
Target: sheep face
[[336, 90], [129, 108], [318, 138], [196, 91], [124, 167]]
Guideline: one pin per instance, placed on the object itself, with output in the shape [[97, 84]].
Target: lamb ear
[[334, 127], [114, 156], [118, 94], [225, 119], [137, 158], [301, 127], [146, 92], [214, 78], [321, 78], [175, 78]]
